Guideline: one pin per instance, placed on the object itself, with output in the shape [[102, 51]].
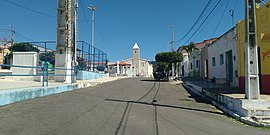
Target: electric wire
[[236, 2], [81, 5], [221, 18], [25, 37], [204, 21], [30, 9], [105, 42], [196, 22]]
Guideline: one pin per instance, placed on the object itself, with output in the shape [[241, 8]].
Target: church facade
[[135, 66]]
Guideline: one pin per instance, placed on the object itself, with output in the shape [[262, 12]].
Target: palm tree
[[189, 48]]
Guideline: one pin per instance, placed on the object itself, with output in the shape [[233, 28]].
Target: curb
[[245, 120], [95, 83]]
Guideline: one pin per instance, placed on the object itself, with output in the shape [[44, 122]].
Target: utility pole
[[126, 54], [12, 30], [173, 64], [75, 11], [63, 58], [172, 38], [12, 35], [251, 52], [93, 9]]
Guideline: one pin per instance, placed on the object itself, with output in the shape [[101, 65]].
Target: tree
[[82, 64], [48, 57], [189, 48], [165, 59], [169, 57], [23, 47], [101, 68]]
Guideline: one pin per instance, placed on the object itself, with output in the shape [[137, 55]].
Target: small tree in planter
[[165, 59]]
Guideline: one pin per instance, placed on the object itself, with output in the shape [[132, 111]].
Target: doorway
[[183, 71], [229, 67], [206, 69]]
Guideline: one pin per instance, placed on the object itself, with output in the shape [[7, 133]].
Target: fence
[[39, 73], [88, 57]]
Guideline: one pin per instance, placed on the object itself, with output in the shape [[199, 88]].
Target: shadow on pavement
[[145, 80], [164, 105]]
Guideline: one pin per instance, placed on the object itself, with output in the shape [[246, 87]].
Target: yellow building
[[263, 38]]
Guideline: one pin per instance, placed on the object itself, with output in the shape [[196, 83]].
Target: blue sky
[[120, 23]]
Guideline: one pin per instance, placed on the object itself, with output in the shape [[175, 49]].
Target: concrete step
[[264, 119], [260, 112]]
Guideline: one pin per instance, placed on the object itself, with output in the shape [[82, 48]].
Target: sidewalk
[[6, 84], [94, 82], [17, 91], [232, 102]]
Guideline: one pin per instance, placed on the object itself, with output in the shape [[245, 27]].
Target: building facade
[[223, 58], [135, 66], [191, 65]]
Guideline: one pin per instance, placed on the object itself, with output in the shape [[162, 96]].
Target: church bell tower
[[136, 59]]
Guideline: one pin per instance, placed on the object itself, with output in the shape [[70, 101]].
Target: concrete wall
[[225, 43], [17, 95], [86, 75], [24, 59]]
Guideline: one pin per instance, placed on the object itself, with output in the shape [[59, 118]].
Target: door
[[206, 69], [229, 66], [260, 68], [183, 71]]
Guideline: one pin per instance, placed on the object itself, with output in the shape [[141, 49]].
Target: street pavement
[[131, 106]]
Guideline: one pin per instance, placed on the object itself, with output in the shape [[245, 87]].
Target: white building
[[183, 67], [191, 65], [222, 57], [134, 66]]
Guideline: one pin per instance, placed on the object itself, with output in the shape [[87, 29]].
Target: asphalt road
[[124, 107]]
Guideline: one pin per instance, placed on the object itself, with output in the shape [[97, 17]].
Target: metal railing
[[43, 71]]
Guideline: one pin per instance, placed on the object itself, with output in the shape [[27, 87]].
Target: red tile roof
[[122, 63]]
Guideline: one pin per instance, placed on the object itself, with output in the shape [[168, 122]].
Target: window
[[213, 61], [197, 63], [221, 57], [191, 66]]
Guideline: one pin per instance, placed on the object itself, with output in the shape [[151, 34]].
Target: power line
[[195, 37], [81, 5], [204, 20], [235, 5], [221, 17], [25, 37], [191, 28], [103, 39], [45, 14]]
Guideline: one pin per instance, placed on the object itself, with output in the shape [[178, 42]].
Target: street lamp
[[93, 9]]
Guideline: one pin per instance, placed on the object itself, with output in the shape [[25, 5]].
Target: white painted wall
[[184, 63], [225, 43], [24, 59], [196, 55]]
